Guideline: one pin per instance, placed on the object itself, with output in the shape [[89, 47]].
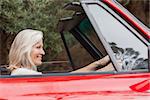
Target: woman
[[27, 50]]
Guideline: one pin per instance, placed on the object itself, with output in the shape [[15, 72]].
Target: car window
[[80, 55], [87, 29], [126, 46]]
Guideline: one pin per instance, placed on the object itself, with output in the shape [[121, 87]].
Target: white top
[[25, 71]]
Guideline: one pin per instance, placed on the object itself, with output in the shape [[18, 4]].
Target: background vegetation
[[43, 15]]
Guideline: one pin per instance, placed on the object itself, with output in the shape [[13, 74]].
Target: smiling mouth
[[39, 57]]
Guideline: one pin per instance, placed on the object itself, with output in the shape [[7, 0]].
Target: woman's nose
[[42, 51]]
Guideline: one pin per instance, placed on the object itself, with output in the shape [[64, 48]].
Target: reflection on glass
[[126, 46], [130, 58]]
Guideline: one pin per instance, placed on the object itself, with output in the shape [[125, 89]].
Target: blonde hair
[[19, 55]]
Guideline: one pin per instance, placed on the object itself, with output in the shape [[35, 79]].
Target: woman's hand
[[102, 62], [95, 65], [109, 66]]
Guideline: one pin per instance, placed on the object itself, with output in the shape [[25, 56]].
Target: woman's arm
[[95, 65]]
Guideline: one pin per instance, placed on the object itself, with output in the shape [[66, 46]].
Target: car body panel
[[75, 87]]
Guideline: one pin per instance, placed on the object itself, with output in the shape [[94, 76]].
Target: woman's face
[[37, 53]]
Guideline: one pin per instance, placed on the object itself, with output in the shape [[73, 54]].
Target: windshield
[[123, 41]]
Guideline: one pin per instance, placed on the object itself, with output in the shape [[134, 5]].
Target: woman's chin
[[38, 63]]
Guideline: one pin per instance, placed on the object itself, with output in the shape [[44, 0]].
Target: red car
[[118, 34]]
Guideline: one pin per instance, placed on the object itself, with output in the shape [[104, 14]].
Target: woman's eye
[[38, 47]]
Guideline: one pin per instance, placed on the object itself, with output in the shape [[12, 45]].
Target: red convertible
[[116, 33]]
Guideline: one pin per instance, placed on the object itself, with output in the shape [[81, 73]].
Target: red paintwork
[[81, 87], [142, 86], [144, 32]]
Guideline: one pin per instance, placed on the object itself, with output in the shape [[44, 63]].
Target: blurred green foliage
[[43, 15]]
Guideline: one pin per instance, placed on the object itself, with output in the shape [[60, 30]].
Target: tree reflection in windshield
[[129, 58]]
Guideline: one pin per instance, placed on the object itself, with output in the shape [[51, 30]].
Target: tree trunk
[[3, 48], [140, 8], [5, 43]]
